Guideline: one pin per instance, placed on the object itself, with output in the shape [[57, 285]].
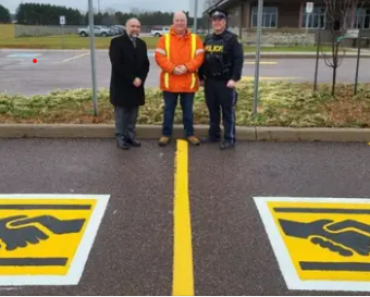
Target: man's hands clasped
[[180, 70]]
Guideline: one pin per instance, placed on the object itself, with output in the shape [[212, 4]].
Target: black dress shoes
[[226, 145], [211, 140], [122, 144], [133, 142]]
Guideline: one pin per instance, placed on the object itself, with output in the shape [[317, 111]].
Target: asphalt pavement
[[71, 69], [133, 250]]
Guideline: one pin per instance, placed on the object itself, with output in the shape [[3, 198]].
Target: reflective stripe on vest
[[167, 75], [193, 52]]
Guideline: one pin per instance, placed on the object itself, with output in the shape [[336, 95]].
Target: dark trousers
[[125, 121], [221, 100], [170, 103]]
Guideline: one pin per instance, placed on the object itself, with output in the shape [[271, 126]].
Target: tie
[[133, 41]]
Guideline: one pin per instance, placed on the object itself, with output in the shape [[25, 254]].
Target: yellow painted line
[[244, 78], [262, 63], [183, 276], [76, 57]]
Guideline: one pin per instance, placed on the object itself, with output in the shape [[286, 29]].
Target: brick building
[[284, 21]]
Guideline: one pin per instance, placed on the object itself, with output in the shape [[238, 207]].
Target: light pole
[[195, 16], [92, 55], [258, 55]]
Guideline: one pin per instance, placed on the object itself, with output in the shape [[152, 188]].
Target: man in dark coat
[[130, 67]]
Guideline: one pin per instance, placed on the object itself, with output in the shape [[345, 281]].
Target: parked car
[[117, 30], [98, 31], [160, 32]]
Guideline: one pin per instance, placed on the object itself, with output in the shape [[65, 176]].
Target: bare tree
[[138, 11], [109, 17], [337, 13], [111, 10]]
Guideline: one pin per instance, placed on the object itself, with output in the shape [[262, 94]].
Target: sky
[[118, 5]]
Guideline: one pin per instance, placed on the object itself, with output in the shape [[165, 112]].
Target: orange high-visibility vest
[[172, 51]]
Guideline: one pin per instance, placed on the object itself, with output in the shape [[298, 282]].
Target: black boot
[[122, 144], [225, 145], [210, 140], [134, 142]]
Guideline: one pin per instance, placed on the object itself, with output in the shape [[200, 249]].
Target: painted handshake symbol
[[20, 231], [344, 237]]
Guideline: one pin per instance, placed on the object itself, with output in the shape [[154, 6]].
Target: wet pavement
[[133, 250], [71, 69]]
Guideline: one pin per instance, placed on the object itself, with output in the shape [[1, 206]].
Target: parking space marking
[[46, 239], [262, 63], [76, 57], [246, 78], [23, 55], [319, 243], [183, 276]]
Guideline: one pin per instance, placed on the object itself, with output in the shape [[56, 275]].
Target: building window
[[315, 19], [362, 18], [269, 17]]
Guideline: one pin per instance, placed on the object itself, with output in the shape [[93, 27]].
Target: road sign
[[62, 20], [320, 243], [353, 33], [46, 239], [309, 7]]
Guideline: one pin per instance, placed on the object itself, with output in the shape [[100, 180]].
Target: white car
[[159, 33], [98, 31]]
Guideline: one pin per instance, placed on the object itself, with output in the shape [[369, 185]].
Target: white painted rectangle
[[282, 254], [80, 258]]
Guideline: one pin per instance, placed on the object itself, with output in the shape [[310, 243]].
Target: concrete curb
[[154, 132], [312, 134]]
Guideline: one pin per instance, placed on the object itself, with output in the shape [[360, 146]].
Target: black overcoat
[[128, 62]]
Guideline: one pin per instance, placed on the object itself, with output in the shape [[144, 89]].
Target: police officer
[[222, 68]]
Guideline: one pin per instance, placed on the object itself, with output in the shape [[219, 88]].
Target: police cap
[[218, 13]]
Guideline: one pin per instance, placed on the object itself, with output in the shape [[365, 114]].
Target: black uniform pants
[[221, 100]]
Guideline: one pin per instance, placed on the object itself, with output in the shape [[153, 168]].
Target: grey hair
[[131, 19]]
